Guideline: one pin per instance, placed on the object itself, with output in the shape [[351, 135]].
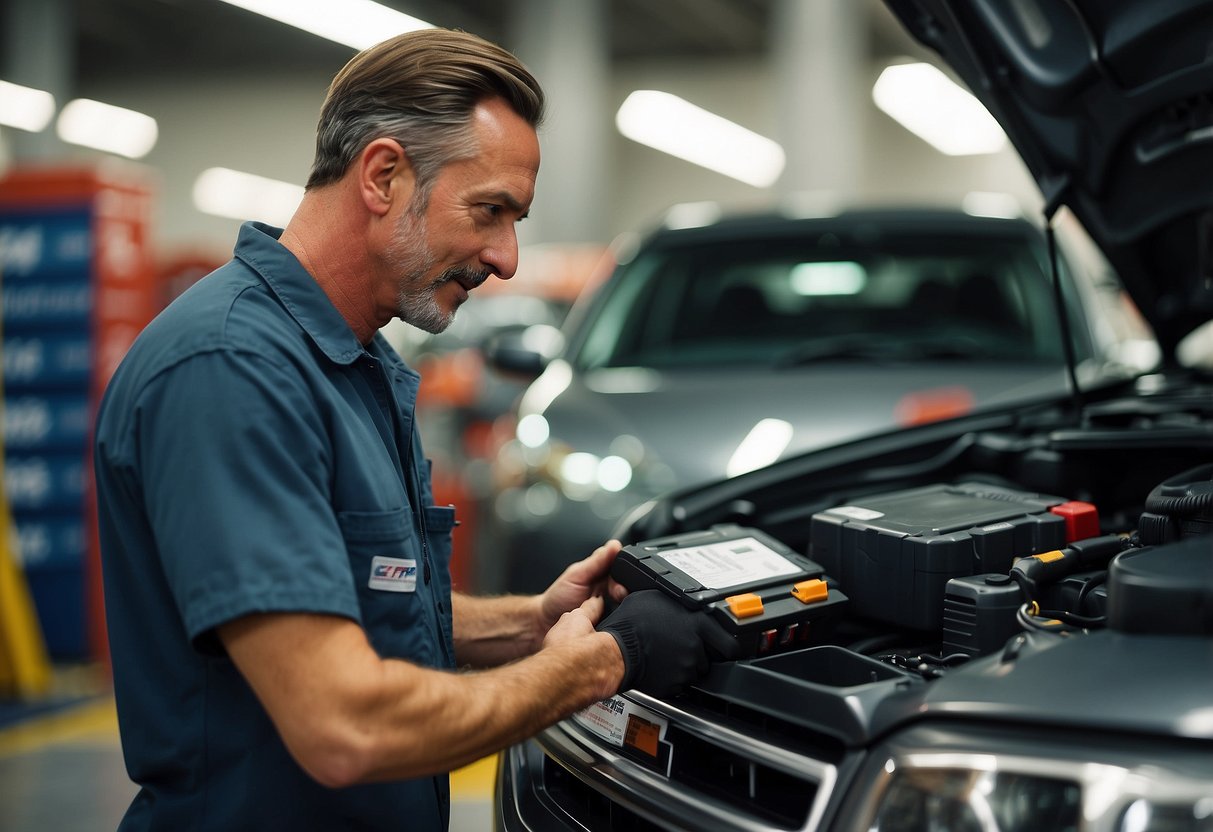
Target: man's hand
[[493, 631], [580, 582], [665, 646], [575, 623]]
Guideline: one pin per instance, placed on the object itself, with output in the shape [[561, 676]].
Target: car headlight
[[580, 475], [1063, 786], [927, 797]]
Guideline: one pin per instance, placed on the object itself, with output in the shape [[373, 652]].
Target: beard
[[409, 256]]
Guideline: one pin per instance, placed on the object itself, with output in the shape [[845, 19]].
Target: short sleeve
[[235, 466]]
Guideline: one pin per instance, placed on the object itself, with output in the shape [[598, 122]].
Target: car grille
[[726, 771], [592, 809], [754, 788]]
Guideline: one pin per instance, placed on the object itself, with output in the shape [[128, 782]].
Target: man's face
[[409, 256], [465, 232]]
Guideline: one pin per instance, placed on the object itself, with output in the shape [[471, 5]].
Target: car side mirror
[[523, 352]]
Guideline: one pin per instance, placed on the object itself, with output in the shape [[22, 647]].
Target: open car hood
[[1110, 105]]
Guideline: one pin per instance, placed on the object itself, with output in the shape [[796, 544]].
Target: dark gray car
[[1000, 622], [715, 350]]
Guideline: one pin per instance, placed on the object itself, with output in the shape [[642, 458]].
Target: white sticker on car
[[621, 723]]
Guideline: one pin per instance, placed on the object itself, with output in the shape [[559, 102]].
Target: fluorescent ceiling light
[[933, 107], [246, 196], [679, 128], [762, 446], [991, 204], [106, 127], [25, 108], [693, 215], [355, 23]]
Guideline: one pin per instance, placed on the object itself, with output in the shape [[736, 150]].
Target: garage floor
[[61, 767]]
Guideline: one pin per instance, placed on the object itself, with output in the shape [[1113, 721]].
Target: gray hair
[[418, 88]]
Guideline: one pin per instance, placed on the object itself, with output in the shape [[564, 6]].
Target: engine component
[[1178, 508], [1163, 589], [979, 613], [893, 554], [1047, 568]]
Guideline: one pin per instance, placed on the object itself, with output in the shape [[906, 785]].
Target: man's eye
[[492, 210]]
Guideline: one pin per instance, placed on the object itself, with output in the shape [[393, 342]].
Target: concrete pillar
[[37, 43], [819, 57], [565, 45]]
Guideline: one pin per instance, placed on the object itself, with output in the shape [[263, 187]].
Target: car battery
[[767, 596], [893, 554]]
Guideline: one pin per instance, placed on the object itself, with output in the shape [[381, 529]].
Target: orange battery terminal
[[744, 606], [1049, 557], [808, 592]]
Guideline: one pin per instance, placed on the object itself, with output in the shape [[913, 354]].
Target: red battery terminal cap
[[745, 605], [811, 591], [1082, 519]]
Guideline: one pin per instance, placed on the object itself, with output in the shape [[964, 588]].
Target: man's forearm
[[348, 716], [491, 631], [486, 711]]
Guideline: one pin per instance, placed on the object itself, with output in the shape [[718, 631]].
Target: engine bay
[[947, 549]]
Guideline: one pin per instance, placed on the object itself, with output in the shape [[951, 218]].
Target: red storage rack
[[79, 285]]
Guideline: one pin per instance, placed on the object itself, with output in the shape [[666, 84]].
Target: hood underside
[[1110, 105]]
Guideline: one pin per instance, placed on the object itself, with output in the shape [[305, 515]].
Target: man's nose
[[501, 254]]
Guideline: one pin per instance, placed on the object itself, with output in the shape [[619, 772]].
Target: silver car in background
[[718, 349]]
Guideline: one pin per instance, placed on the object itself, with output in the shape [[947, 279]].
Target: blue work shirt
[[252, 456]]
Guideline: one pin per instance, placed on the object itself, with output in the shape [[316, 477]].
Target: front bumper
[[569, 778]]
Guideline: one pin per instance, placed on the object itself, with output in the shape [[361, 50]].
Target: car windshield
[[789, 302]]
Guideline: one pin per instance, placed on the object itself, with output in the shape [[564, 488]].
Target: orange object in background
[[79, 287], [925, 406], [449, 490], [451, 379], [180, 270]]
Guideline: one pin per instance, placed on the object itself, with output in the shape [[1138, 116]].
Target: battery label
[[729, 563]]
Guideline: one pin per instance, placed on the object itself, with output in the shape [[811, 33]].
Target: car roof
[[1110, 105], [772, 224]]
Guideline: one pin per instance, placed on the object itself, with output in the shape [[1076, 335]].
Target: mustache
[[466, 276]]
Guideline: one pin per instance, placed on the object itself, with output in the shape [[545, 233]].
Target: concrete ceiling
[[115, 39]]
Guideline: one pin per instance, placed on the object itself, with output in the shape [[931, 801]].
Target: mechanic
[[283, 633]]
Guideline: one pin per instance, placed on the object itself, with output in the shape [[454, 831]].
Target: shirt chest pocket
[[395, 599]]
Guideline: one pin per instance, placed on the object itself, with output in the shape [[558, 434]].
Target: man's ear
[[385, 175]]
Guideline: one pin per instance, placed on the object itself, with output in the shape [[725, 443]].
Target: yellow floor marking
[[92, 722], [98, 722], [474, 781]]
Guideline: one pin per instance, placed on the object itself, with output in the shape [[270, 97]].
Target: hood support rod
[[1054, 199]]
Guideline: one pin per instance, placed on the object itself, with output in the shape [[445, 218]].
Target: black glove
[[665, 646]]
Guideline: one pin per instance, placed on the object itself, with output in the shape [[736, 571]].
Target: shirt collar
[[258, 246]]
